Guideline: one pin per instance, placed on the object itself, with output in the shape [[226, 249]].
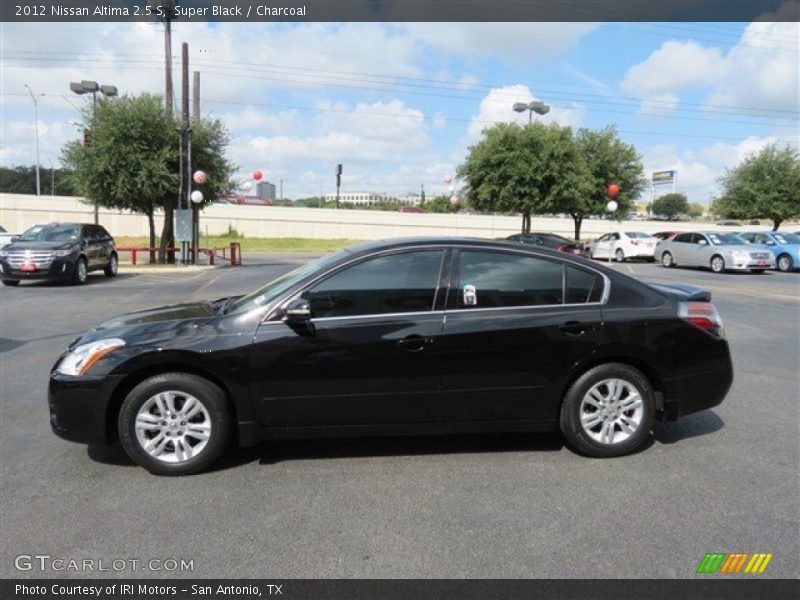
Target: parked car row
[[68, 251], [755, 251]]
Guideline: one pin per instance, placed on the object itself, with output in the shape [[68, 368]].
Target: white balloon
[[452, 188], [246, 186], [612, 206], [196, 196]]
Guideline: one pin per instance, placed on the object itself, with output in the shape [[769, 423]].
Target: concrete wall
[[19, 211]]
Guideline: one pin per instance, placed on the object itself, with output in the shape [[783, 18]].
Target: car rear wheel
[[175, 424], [11, 282], [667, 260], [608, 411], [785, 263], [717, 264], [112, 266], [619, 255], [80, 273]]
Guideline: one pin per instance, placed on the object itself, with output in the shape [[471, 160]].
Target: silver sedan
[[714, 250]]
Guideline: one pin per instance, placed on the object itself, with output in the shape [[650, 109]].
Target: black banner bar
[[398, 10], [712, 588]]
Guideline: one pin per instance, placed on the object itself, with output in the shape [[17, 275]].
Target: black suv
[[58, 251]]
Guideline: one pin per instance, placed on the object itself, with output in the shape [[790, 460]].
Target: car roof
[[411, 242]]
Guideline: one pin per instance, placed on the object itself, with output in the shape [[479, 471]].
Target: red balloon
[[257, 175], [613, 190]]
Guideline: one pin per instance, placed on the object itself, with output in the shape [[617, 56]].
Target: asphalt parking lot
[[500, 506]]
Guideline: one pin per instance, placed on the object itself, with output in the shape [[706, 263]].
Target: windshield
[[786, 238], [725, 239], [637, 234], [276, 287], [52, 233]]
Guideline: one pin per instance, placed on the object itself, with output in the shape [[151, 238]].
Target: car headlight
[[62, 253], [80, 360]]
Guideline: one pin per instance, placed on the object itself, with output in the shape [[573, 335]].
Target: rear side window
[[498, 279], [582, 286], [395, 283]]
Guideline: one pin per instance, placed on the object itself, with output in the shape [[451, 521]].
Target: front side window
[[489, 279], [395, 283], [686, 238]]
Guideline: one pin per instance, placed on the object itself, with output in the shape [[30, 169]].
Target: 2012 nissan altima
[[421, 335]]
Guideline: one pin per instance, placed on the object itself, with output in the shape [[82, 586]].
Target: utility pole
[[338, 182], [169, 93], [36, 134], [185, 175], [281, 191], [195, 208]]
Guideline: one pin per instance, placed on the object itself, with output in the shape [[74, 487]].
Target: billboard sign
[[664, 177]]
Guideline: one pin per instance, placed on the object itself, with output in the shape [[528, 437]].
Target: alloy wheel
[[717, 264], [173, 426], [611, 411], [666, 259], [785, 263], [81, 271]]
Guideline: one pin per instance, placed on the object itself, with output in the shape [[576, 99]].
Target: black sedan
[[424, 335], [68, 251], [548, 240]]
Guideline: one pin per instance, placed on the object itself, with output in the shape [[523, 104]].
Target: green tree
[[671, 205], [695, 210], [441, 204], [22, 180], [606, 159], [766, 185], [528, 170], [132, 160]]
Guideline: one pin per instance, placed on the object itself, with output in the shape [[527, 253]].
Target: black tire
[[11, 282], [785, 263], [111, 267], [570, 418], [717, 266], [207, 393], [667, 260], [81, 272], [619, 255]]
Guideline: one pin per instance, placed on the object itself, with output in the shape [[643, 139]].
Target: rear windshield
[[725, 239], [51, 233]]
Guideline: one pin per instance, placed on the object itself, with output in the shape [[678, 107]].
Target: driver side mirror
[[703, 243], [14, 238], [298, 310]]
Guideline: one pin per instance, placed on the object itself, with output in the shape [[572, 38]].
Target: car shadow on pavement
[[92, 279], [273, 452], [702, 423], [110, 455]]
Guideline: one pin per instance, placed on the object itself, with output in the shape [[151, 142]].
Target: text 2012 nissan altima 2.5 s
[[416, 336]]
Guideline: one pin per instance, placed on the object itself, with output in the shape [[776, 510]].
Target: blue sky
[[399, 104]]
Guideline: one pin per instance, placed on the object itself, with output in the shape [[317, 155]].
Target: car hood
[[37, 246], [176, 312]]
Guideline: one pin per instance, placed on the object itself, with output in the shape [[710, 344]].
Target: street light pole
[[536, 106], [36, 133]]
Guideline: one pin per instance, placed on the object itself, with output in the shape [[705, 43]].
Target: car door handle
[[576, 328], [415, 343]]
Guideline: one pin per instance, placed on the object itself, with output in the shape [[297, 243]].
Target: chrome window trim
[[283, 301]]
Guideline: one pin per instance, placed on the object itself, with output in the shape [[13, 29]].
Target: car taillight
[[634, 242], [703, 315]]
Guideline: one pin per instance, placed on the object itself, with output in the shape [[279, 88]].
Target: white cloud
[[760, 71]]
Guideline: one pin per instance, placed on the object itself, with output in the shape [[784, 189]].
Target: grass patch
[[255, 244]]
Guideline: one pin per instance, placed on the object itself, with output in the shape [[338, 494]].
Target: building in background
[[371, 198], [265, 190]]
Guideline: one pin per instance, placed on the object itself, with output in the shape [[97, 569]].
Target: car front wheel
[[666, 260], [717, 264], [112, 266], [175, 424], [80, 273], [619, 255], [785, 263], [608, 411]]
